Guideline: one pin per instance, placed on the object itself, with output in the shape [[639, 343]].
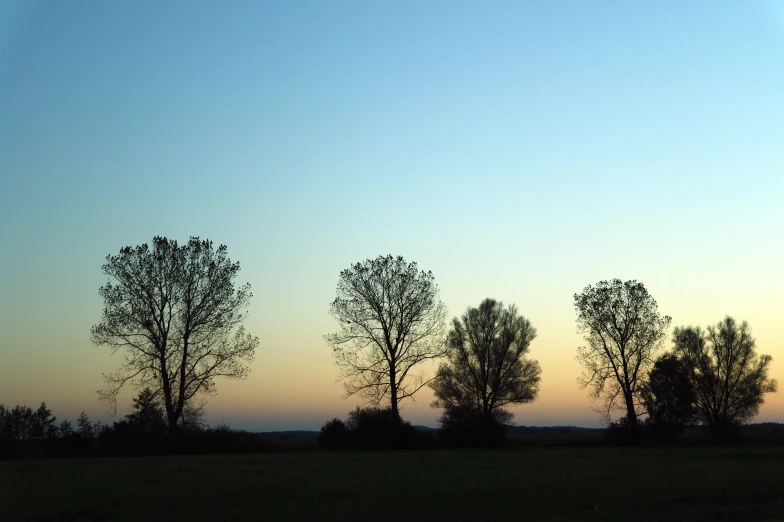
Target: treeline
[[28, 433], [176, 313]]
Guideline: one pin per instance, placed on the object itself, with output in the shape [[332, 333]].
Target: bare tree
[[486, 367], [176, 313], [624, 331], [391, 320], [728, 376]]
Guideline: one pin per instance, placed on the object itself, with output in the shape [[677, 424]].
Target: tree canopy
[[624, 331], [175, 311], [728, 376], [391, 320], [486, 367]]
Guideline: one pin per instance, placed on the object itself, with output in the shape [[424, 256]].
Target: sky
[[518, 150]]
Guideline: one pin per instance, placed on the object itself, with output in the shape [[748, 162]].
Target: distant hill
[[550, 430], [756, 428]]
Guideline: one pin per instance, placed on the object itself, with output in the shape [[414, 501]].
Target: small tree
[[66, 429], [728, 376], [391, 320], [84, 427], [334, 435], [486, 368], [669, 397], [20, 423], [43, 423], [175, 311], [624, 330], [147, 415]]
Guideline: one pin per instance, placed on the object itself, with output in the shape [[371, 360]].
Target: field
[[539, 484]]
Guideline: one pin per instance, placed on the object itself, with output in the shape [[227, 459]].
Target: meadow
[[543, 484]]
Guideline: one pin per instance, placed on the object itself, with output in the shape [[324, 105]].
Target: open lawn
[[529, 484]]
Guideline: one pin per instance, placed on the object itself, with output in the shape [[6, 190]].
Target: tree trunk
[[631, 415], [393, 393]]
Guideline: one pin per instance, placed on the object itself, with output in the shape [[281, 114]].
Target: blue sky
[[519, 150]]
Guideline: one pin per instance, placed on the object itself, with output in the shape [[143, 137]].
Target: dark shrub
[[334, 435], [374, 428], [463, 428], [621, 434]]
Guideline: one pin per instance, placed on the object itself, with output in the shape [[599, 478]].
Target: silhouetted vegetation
[[486, 369], [728, 376], [462, 427], [668, 398], [176, 313], [624, 330], [373, 429], [335, 435], [391, 320]]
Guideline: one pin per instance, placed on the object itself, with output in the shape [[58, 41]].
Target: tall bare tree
[[487, 367], [391, 320], [176, 313], [624, 331], [728, 376]]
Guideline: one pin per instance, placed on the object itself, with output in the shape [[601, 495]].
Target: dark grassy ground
[[529, 484]]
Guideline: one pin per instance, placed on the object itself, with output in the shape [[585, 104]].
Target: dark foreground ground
[[685, 484]]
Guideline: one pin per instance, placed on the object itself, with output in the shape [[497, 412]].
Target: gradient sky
[[519, 150]]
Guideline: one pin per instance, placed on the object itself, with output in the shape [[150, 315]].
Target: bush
[[463, 428], [334, 435], [373, 429], [621, 434]]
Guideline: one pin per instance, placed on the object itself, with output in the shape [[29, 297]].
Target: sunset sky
[[518, 150]]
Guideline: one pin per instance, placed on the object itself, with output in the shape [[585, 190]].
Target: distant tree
[[84, 427], [486, 368], [148, 415], [175, 311], [669, 397], [391, 320], [192, 417], [334, 435], [43, 423], [24, 423], [624, 330], [728, 376], [66, 429], [4, 423]]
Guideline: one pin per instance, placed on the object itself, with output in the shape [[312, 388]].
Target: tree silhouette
[[175, 311], [624, 330], [669, 397], [728, 376], [84, 426], [391, 320], [486, 367], [147, 415]]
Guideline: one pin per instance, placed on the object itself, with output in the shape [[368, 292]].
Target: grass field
[[531, 484]]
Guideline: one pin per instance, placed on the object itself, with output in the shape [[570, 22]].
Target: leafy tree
[[728, 376], [334, 435], [147, 415], [84, 426], [391, 320], [24, 423], [624, 330], [486, 367], [669, 397], [42, 423], [66, 429], [176, 313]]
